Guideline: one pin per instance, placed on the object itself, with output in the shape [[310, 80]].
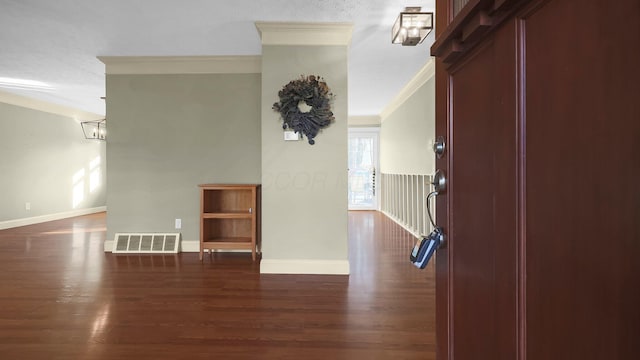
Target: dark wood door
[[482, 202], [539, 102]]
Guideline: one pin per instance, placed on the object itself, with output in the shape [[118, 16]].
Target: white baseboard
[[303, 266], [51, 217], [190, 246], [108, 245]]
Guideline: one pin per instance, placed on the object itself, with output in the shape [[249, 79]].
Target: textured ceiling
[[57, 42]]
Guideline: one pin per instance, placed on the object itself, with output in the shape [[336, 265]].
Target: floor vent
[[140, 243]]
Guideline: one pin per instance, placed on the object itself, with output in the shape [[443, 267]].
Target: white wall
[[407, 132], [45, 161], [304, 187], [407, 160], [167, 134]]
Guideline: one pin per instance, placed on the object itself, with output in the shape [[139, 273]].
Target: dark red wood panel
[[542, 115], [442, 255], [583, 180], [483, 201]]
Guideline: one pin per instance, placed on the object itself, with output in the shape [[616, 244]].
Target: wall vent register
[[146, 243]]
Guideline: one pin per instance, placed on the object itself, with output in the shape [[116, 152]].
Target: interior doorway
[[363, 168]]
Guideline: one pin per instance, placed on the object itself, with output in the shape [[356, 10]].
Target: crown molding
[[363, 120], [423, 75], [147, 65], [298, 33], [48, 107]]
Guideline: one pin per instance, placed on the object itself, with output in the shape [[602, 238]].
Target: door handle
[[440, 186], [439, 181], [425, 248]]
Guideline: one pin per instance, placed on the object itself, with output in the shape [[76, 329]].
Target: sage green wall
[[40, 153], [169, 133], [406, 134], [304, 187]]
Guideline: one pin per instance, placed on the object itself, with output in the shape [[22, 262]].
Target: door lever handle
[[425, 248], [439, 181]]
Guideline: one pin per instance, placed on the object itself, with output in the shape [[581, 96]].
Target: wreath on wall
[[305, 106]]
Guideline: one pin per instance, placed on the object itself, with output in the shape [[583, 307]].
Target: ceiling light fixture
[[94, 129], [411, 26]]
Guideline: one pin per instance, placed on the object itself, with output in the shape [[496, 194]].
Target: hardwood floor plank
[[62, 297]]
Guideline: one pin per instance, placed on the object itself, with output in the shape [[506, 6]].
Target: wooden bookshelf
[[229, 217]]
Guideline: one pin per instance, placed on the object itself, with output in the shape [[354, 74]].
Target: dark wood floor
[[62, 297]]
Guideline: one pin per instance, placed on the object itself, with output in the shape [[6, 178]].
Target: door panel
[[483, 200], [583, 199], [540, 103]]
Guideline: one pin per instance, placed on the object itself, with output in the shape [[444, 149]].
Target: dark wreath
[[312, 91]]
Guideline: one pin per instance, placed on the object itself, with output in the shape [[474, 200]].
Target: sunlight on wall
[[94, 178], [78, 187], [79, 180]]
